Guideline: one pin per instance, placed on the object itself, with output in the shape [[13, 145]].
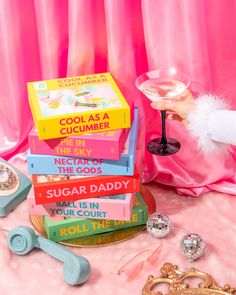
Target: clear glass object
[[158, 225], [192, 246], [164, 85]]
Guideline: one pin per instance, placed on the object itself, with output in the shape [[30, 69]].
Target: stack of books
[[82, 157]]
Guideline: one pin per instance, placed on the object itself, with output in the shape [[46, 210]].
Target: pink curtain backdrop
[[46, 39]]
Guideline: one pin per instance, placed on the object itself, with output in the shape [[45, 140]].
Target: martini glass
[[164, 85]]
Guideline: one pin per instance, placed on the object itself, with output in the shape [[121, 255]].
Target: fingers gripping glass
[[132, 264], [163, 85]]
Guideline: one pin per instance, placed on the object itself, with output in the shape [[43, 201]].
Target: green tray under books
[[103, 239]]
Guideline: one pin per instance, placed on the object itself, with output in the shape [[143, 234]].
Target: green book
[[70, 228]]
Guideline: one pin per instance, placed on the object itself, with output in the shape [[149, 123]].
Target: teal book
[[70, 228]]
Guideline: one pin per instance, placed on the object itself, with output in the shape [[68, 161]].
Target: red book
[[62, 188]]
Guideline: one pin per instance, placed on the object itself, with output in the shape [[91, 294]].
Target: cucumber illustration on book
[[85, 96], [84, 104], [83, 93]]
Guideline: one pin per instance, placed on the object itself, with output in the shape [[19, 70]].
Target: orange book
[[59, 188]]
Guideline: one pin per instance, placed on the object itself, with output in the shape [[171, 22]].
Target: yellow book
[[77, 105]]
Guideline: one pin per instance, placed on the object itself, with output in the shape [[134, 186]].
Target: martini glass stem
[[163, 133]]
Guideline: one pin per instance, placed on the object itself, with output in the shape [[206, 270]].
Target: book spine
[[92, 122], [32, 107], [73, 228], [87, 188], [96, 208], [79, 147], [110, 237], [44, 164]]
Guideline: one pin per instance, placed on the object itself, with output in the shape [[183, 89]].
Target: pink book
[[105, 145], [116, 207]]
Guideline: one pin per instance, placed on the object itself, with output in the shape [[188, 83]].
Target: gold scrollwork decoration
[[175, 279]]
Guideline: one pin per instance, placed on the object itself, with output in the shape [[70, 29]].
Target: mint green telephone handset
[[21, 240]]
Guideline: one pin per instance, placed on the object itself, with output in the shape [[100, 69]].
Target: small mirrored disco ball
[[192, 246], [158, 225]]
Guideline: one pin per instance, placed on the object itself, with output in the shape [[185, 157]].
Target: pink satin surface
[[48, 39]]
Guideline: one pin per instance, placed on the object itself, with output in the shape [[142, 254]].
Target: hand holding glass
[[163, 85]]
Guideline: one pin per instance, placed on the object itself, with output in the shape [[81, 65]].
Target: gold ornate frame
[[177, 286]]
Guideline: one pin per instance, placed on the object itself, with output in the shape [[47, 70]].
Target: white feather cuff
[[198, 126]]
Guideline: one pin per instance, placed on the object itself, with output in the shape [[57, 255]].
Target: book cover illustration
[[44, 164], [59, 188], [69, 228], [77, 105], [118, 207], [79, 99], [102, 145]]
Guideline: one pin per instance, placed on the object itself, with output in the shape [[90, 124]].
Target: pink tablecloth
[[212, 216]]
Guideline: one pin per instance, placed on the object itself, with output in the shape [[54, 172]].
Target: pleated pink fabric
[[45, 39]]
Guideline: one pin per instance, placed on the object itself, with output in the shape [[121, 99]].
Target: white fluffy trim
[[205, 104]]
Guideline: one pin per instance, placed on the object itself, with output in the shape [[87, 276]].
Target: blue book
[[45, 164]]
